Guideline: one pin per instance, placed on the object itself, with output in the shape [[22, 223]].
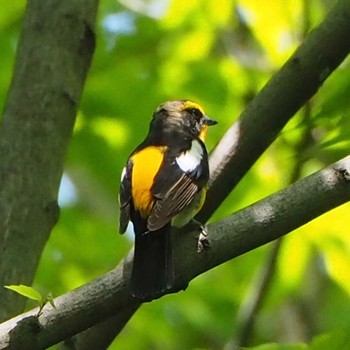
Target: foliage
[[26, 291], [33, 294], [219, 53]]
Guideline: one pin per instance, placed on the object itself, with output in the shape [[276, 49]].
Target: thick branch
[[298, 80], [287, 91], [53, 58], [321, 53], [254, 226]]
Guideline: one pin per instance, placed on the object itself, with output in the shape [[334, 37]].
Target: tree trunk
[[53, 58]]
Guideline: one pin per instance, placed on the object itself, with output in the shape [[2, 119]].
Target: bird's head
[[183, 116]]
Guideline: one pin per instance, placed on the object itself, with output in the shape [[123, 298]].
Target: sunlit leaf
[[335, 340], [50, 300], [26, 291], [272, 23]]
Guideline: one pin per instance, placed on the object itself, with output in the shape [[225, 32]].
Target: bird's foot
[[203, 241]]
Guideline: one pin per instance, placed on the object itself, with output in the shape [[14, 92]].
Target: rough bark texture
[[241, 232], [54, 54], [296, 82], [299, 79]]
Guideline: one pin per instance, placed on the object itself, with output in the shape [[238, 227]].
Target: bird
[[163, 184]]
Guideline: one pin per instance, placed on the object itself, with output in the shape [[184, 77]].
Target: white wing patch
[[190, 160], [123, 174]]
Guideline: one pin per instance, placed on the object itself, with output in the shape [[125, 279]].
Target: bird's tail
[[153, 270]]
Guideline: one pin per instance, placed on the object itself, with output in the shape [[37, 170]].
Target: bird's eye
[[196, 113]]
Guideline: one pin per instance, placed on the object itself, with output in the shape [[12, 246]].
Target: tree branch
[[241, 232], [299, 79], [53, 58], [261, 283], [296, 82]]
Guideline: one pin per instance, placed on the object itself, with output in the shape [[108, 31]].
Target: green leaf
[[335, 340], [50, 300], [26, 291]]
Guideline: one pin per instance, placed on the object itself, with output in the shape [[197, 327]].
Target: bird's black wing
[[125, 197], [174, 189]]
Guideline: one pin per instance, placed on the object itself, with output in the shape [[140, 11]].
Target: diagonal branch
[[241, 232], [288, 90], [297, 81]]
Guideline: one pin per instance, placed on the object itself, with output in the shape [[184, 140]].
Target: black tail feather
[[153, 271]]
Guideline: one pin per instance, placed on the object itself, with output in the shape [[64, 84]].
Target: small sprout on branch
[[33, 294]]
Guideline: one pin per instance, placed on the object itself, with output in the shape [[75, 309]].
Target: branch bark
[[241, 232], [299, 79], [53, 58], [296, 82]]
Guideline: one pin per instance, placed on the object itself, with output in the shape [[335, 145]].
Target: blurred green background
[[220, 54]]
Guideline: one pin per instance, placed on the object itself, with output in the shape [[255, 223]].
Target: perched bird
[[163, 184]]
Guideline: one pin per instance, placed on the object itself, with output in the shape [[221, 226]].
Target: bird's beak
[[208, 121]]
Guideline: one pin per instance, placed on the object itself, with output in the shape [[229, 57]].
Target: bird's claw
[[203, 241]]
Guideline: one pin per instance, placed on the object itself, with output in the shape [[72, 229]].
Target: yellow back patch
[[146, 164]]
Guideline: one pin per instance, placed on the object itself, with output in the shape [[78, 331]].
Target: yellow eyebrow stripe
[[189, 104], [146, 164]]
